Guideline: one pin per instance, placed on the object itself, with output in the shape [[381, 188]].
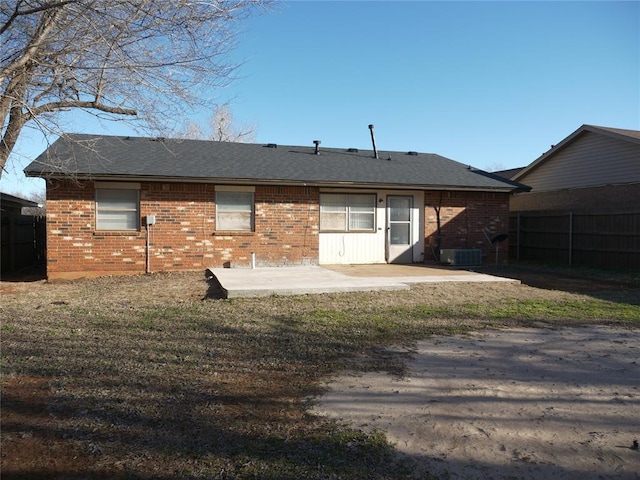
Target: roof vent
[[271, 145], [352, 150], [317, 144], [373, 141], [158, 139], [412, 153]]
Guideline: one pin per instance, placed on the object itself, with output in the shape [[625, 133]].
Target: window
[[234, 211], [347, 212], [117, 209], [333, 212]]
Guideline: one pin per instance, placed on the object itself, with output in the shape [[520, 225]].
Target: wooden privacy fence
[[23, 241], [585, 239]]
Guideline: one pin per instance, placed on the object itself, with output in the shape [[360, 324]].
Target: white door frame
[[400, 231]]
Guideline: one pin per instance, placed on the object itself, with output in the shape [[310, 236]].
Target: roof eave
[[613, 133], [279, 182], [7, 198]]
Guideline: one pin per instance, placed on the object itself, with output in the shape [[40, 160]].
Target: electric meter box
[[150, 220]]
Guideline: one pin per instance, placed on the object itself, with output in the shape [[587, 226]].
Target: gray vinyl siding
[[591, 160]]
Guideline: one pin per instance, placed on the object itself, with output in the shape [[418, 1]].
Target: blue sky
[[490, 84]]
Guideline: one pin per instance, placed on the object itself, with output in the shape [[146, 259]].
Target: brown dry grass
[[146, 377]]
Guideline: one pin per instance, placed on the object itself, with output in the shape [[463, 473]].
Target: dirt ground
[[527, 404], [518, 403]]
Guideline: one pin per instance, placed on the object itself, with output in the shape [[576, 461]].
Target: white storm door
[[399, 229]]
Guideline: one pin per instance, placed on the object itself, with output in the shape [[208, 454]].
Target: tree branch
[[47, 24], [159, 58], [92, 105], [18, 13]]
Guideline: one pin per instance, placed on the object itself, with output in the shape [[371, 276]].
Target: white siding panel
[[351, 248], [364, 248], [591, 160]]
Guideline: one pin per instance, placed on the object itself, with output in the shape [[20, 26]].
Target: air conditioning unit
[[461, 256]]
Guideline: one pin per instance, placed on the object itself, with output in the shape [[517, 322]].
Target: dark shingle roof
[[112, 157], [11, 202], [508, 173]]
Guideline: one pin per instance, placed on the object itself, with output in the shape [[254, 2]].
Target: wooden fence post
[[518, 237], [570, 237]]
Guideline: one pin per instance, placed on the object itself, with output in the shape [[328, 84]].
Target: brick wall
[[184, 236], [286, 230], [463, 216]]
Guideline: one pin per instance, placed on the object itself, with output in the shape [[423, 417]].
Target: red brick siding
[[184, 236], [463, 216], [286, 230]]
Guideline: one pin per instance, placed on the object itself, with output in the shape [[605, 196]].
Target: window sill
[[233, 233], [116, 233], [349, 231]]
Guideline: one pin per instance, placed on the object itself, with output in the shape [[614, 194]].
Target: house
[[132, 205], [593, 169], [22, 232], [12, 205], [584, 204]]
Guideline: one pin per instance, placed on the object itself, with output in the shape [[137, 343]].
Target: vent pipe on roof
[[317, 143], [373, 141]]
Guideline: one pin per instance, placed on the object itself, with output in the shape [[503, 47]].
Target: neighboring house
[[12, 205], [584, 204], [593, 169], [130, 205], [22, 232]]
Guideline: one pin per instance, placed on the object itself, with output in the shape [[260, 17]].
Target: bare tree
[[144, 60], [222, 128], [495, 167], [41, 199]]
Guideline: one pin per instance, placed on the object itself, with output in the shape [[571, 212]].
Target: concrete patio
[[301, 280]]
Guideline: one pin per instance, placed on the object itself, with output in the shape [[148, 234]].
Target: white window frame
[[124, 211], [347, 207], [231, 225]]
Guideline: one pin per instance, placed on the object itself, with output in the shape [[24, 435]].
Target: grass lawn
[[145, 377]]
